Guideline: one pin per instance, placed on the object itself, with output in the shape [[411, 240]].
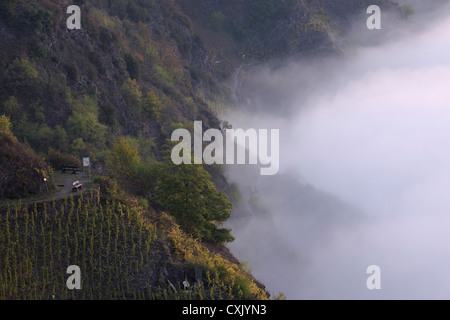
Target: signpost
[[86, 163]]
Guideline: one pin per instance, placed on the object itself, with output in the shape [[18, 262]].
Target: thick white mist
[[382, 140], [379, 139]]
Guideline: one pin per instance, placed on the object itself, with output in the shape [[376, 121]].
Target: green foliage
[[22, 172], [87, 133], [60, 139], [103, 18], [36, 19], [143, 203], [147, 177], [224, 279], [164, 75], [79, 148], [123, 159], [407, 10], [22, 70], [72, 73], [40, 136], [14, 110], [186, 191], [152, 105], [319, 21], [217, 20], [37, 76], [144, 146], [131, 92], [132, 66], [87, 127], [5, 123], [57, 159], [39, 49]]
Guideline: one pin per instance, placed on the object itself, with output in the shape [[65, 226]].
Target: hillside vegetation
[[22, 172], [115, 91], [123, 250]]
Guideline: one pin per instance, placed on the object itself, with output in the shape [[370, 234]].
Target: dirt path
[[62, 181], [66, 190]]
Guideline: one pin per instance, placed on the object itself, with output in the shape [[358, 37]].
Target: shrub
[[5, 123], [84, 124], [57, 159], [22, 172], [22, 69], [152, 105], [123, 159], [132, 95], [72, 73], [132, 66], [216, 20], [143, 203], [36, 19]]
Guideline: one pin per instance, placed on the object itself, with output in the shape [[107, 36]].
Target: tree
[[132, 66], [132, 95], [123, 159], [152, 105], [14, 110], [36, 19], [78, 147], [216, 20], [22, 71], [5, 123], [187, 192], [85, 125]]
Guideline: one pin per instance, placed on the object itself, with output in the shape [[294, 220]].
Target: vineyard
[[119, 248]]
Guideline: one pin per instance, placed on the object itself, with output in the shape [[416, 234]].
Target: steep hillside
[[79, 90], [142, 68], [115, 91]]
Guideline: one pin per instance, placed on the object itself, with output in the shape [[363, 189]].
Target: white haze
[[375, 132]]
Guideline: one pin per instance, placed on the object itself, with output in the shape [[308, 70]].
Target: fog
[[364, 167]]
